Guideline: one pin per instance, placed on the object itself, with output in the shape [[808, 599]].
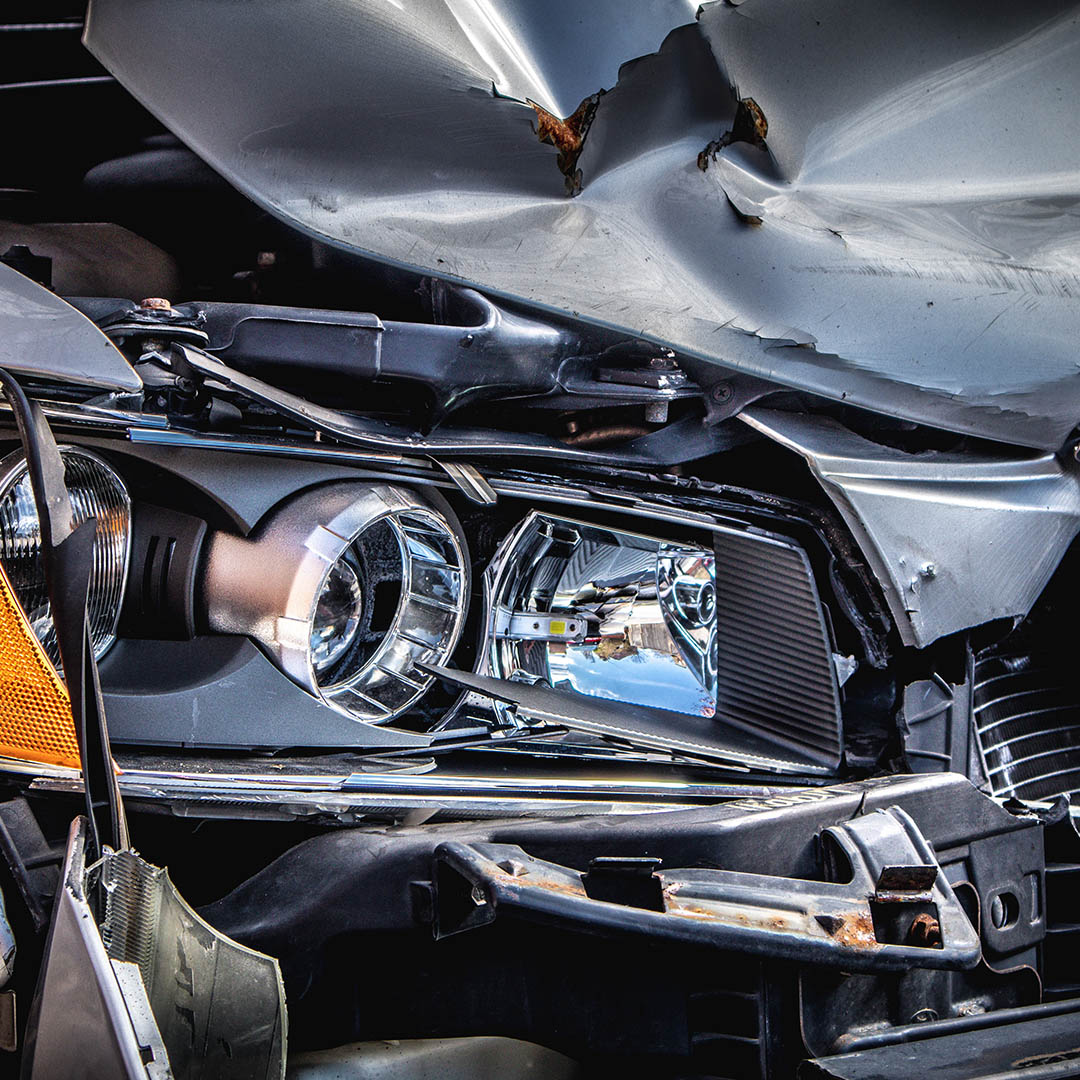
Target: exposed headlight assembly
[[96, 491], [732, 633], [608, 613], [347, 587]]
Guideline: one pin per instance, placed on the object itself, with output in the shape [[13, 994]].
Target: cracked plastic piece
[[156, 992]]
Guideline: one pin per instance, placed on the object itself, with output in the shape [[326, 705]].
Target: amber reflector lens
[[35, 714]]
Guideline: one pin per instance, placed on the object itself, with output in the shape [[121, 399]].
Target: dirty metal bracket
[[380, 435], [896, 911]]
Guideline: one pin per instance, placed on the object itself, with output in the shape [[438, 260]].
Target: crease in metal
[[920, 262]]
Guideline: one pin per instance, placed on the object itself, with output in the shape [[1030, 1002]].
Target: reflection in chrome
[[606, 613]]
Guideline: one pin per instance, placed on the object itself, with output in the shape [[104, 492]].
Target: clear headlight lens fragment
[[607, 613], [96, 491]]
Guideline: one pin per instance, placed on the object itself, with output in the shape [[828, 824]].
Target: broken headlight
[[607, 613], [347, 587], [96, 491]]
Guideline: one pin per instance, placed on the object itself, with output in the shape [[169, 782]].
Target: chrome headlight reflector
[[96, 491], [734, 631], [347, 587], [607, 613]]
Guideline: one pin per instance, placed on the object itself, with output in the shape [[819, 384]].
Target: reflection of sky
[[647, 677]]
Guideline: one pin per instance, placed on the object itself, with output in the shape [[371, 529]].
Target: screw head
[[722, 393]]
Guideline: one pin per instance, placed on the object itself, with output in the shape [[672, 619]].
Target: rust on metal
[[567, 136], [777, 922], [612, 433], [925, 932], [749, 126], [899, 882], [155, 303], [854, 929], [515, 884]]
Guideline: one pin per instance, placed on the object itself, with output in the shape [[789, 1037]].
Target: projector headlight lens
[[347, 587], [606, 613], [96, 491], [337, 615]]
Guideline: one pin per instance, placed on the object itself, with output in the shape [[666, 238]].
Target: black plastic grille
[[777, 676], [1027, 722]]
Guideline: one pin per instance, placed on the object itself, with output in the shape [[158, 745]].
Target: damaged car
[[539, 540]]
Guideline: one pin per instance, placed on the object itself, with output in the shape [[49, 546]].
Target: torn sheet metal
[[42, 336], [904, 237], [81, 1022], [956, 540]]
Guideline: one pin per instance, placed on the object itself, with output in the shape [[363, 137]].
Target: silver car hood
[[891, 219]]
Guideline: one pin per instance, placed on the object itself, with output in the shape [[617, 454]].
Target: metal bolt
[[924, 932], [722, 393], [928, 570], [155, 303]]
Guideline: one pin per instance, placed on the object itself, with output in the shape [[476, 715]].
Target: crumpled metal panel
[[956, 540], [80, 1023], [44, 337], [906, 240]]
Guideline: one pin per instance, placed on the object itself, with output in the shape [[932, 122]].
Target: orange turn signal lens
[[35, 711]]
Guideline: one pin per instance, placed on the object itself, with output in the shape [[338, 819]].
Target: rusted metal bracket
[[894, 911]]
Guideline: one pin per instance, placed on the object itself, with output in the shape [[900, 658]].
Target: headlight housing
[[733, 632], [347, 587], [96, 491], [607, 613]]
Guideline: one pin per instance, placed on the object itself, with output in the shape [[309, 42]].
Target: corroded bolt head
[[925, 932], [155, 303]]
